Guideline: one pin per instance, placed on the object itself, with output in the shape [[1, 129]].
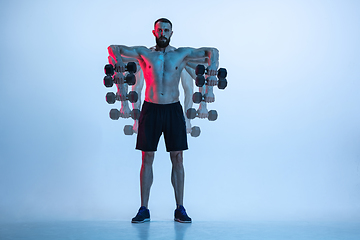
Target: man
[[161, 111]]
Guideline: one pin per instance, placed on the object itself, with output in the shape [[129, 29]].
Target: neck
[[159, 49]]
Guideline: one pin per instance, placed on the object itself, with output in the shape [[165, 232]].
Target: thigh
[[175, 130], [149, 130]]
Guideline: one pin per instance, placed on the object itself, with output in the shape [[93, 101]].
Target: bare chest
[[168, 62]]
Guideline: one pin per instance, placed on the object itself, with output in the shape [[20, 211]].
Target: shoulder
[[185, 50], [142, 49]]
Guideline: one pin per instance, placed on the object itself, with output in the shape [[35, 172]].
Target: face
[[162, 33]]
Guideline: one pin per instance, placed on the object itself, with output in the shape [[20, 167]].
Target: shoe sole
[[180, 221], [145, 220]]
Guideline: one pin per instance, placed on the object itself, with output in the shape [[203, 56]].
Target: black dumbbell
[[200, 80], [115, 114], [195, 131], [128, 130], [129, 78], [191, 113], [110, 70], [111, 97]]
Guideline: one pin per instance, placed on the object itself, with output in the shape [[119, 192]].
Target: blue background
[[285, 145]]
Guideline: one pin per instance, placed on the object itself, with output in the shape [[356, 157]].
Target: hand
[[119, 78], [125, 111], [202, 112], [211, 81], [210, 97], [211, 71], [119, 67]]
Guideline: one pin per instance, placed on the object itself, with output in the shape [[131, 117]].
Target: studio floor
[[172, 230]]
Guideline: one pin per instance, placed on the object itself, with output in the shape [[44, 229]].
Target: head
[[162, 32]]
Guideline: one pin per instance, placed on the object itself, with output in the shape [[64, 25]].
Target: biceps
[[198, 54]]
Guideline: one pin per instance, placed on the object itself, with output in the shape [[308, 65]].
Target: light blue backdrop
[[285, 145]]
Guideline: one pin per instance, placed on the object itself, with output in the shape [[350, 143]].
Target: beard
[[161, 43]]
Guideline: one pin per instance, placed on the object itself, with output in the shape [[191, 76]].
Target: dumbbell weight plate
[[110, 97], [114, 114], [212, 115], [133, 96], [128, 130], [191, 113], [108, 81], [195, 131], [130, 79], [222, 83], [135, 114], [200, 80], [197, 97], [109, 69], [222, 73], [131, 67], [200, 69]]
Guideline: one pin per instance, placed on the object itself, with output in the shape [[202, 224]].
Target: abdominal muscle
[[161, 93], [162, 77]]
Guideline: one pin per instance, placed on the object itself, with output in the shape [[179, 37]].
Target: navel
[[176, 68]]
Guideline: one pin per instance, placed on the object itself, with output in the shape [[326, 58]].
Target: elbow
[[110, 49], [215, 51], [212, 52]]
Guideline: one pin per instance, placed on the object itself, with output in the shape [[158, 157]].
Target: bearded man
[[161, 111]]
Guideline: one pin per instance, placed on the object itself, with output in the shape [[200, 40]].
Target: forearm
[[202, 104], [122, 90]]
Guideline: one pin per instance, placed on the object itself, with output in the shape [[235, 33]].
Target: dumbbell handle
[[110, 69], [191, 113], [200, 81], [201, 70], [111, 97]]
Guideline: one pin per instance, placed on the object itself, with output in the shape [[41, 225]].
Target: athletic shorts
[[156, 119]]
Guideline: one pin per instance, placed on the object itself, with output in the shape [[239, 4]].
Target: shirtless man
[[161, 111], [187, 77]]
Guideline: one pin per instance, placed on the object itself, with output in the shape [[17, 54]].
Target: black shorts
[[156, 119]]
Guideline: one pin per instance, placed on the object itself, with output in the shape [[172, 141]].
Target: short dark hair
[[165, 20]]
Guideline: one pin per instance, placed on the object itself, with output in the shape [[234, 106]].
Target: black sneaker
[[143, 215], [181, 216]]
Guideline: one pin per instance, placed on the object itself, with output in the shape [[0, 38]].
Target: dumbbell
[[128, 130], [111, 97], [129, 78], [110, 70], [195, 131], [115, 114], [191, 113], [200, 80]]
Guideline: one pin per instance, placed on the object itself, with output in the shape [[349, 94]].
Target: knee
[[177, 158], [148, 157]]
